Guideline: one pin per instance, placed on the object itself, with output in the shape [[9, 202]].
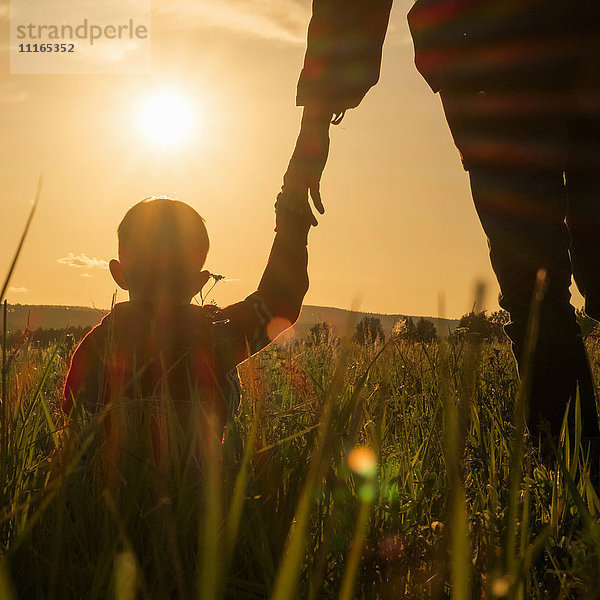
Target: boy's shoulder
[[131, 321], [133, 311]]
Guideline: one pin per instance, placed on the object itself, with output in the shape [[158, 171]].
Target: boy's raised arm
[[256, 321], [285, 280]]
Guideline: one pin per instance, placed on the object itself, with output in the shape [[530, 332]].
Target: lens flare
[[362, 461]]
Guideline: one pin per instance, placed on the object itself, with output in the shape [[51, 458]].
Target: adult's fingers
[[315, 194]]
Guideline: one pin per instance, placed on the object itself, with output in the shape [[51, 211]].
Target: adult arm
[[343, 53], [342, 62]]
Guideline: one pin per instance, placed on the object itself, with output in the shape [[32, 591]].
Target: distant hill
[[342, 321], [52, 317]]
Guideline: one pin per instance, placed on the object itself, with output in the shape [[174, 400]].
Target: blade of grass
[[13, 263], [519, 418], [239, 490], [287, 439], [7, 590], [285, 585], [459, 542], [44, 402], [367, 494], [210, 573], [3, 401], [3, 398]]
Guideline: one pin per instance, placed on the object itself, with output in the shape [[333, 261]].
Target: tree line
[[45, 337], [490, 327]]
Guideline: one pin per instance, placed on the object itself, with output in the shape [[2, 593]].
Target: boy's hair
[[162, 241]]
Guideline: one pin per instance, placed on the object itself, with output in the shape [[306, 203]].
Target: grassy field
[[349, 472]]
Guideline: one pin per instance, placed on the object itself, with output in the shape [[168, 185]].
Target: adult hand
[[308, 160]]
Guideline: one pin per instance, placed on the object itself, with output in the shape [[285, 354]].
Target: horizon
[[304, 305]]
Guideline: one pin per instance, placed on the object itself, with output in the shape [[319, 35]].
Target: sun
[[166, 118]]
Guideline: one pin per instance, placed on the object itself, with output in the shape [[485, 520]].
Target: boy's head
[[163, 245]]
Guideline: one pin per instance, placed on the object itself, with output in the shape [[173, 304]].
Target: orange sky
[[399, 229]]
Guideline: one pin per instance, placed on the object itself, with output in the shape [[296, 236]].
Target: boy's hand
[[291, 215], [306, 166]]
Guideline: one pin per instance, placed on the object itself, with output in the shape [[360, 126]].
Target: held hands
[[306, 166]]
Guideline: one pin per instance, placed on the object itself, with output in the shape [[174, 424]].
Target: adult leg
[[515, 166], [522, 213], [583, 216], [583, 219]]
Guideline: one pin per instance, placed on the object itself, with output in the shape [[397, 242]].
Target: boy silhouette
[[159, 339]]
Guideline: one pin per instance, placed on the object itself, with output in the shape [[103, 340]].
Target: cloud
[[13, 98], [85, 275], [17, 290], [282, 20], [81, 261]]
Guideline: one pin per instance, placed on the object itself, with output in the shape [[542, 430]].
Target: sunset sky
[[399, 230]]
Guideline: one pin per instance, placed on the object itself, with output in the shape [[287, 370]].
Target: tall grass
[[89, 510]]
